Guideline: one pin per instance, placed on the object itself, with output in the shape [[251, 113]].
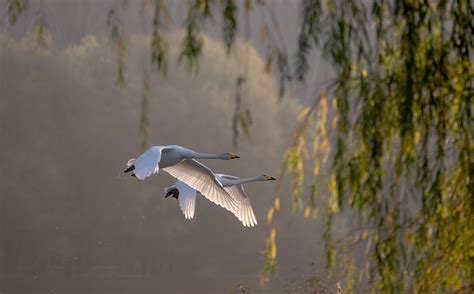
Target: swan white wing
[[201, 178], [147, 163], [245, 212], [187, 199]]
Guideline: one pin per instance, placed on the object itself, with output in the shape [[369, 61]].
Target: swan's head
[[267, 178], [172, 191], [230, 155]]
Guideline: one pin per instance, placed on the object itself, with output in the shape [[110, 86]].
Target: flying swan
[[179, 162], [233, 185]]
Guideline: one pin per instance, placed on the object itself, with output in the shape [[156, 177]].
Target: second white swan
[[233, 185]]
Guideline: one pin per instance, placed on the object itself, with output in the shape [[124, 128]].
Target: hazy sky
[[66, 132]]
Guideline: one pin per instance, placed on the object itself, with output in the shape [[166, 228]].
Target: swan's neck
[[247, 180], [200, 155]]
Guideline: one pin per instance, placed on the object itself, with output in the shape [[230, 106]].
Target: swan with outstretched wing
[[180, 163], [186, 196]]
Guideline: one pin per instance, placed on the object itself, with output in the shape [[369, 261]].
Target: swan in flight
[[179, 162], [233, 185]]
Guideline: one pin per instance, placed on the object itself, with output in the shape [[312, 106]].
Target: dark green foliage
[[145, 113], [242, 118], [229, 27], [41, 32], [402, 149], [15, 8], [311, 12], [193, 41], [158, 41], [118, 42]]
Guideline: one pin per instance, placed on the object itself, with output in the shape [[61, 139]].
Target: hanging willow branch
[[15, 8], [401, 153], [159, 46], [117, 39], [145, 112], [193, 41], [229, 27]]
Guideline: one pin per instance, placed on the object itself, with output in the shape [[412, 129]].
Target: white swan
[[233, 185], [179, 163]]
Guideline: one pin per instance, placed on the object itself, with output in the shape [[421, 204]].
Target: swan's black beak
[[233, 156], [270, 178]]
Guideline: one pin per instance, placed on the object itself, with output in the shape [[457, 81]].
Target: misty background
[[72, 222]]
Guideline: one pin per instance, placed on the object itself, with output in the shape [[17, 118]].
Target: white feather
[[245, 212], [187, 199], [147, 163], [201, 178]]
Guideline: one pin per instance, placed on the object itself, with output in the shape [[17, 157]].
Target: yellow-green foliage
[[401, 148]]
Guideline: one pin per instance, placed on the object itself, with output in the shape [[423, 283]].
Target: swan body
[[179, 162], [156, 157], [233, 186]]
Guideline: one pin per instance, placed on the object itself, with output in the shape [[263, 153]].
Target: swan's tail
[[130, 165]]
